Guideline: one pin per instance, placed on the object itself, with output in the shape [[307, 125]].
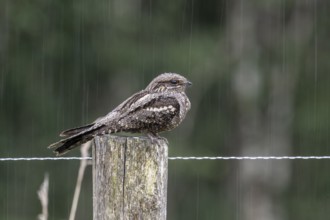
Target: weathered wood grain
[[129, 178]]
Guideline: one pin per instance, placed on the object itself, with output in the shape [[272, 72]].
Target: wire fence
[[179, 158]]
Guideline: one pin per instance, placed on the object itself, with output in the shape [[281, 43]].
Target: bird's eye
[[174, 81]]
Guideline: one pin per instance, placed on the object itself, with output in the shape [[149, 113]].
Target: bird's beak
[[189, 83]]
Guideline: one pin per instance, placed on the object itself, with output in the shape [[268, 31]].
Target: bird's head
[[168, 82]]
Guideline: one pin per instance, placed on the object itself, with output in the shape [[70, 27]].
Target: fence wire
[[179, 158]]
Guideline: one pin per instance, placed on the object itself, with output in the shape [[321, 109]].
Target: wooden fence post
[[129, 178]]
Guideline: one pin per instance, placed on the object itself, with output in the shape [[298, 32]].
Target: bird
[[160, 107]]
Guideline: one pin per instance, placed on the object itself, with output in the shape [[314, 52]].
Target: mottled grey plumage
[[160, 107]]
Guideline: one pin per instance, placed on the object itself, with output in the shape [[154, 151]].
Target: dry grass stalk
[[83, 163], [43, 197]]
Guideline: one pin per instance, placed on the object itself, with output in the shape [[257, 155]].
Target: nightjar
[[161, 106]]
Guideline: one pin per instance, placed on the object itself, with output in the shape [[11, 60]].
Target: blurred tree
[[265, 92]]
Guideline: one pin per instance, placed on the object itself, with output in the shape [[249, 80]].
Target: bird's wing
[[150, 110], [121, 109], [137, 97]]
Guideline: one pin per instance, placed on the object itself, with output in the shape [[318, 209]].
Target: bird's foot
[[155, 139], [163, 139]]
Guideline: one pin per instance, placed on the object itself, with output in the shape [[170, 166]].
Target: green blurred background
[[261, 78]]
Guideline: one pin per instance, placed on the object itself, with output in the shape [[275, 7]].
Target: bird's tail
[[73, 131], [75, 137]]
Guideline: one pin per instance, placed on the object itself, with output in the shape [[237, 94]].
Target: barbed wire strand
[[180, 158]]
